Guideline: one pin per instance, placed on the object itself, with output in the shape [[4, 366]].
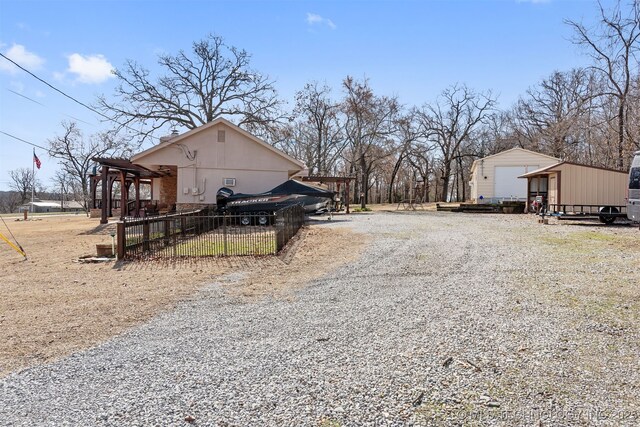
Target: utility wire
[[25, 97], [22, 140], [40, 103], [55, 88], [69, 96]]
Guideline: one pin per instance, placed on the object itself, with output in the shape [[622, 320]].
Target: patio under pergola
[[127, 174]]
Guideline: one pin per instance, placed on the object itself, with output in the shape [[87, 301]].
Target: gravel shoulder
[[52, 306], [444, 319]]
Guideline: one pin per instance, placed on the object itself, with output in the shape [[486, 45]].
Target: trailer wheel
[[263, 218], [245, 220], [608, 210]]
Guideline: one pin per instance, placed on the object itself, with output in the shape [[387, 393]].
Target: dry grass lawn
[[52, 305]]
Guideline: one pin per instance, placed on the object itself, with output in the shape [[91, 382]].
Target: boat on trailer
[[313, 199]]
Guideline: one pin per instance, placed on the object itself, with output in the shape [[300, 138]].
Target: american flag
[[36, 160]]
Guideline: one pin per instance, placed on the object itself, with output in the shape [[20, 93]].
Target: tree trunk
[[364, 187], [621, 135], [446, 175], [394, 173]]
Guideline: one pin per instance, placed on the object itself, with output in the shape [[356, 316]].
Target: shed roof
[[554, 168], [206, 126]]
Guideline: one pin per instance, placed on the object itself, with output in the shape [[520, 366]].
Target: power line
[[40, 103], [71, 97], [55, 88], [22, 140], [25, 97]]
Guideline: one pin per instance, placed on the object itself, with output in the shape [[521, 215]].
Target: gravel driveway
[[446, 319]]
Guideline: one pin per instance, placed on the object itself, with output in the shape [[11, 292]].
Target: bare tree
[[613, 46], [22, 182], [408, 133], [552, 112], [320, 129], [9, 201], [75, 154], [450, 122], [370, 121], [214, 80]]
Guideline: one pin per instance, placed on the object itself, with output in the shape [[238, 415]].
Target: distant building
[[44, 206]]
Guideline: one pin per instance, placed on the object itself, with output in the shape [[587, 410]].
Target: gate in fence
[[207, 233]]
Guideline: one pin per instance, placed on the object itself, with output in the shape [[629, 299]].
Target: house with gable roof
[[186, 171], [217, 154]]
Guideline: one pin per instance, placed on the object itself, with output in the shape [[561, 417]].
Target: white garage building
[[495, 178]]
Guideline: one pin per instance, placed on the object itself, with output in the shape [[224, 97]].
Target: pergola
[[338, 180], [125, 172]]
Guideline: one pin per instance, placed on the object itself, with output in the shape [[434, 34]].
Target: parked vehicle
[[633, 201], [314, 200]]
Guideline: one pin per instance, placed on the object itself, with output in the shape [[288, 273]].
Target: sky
[[410, 49]]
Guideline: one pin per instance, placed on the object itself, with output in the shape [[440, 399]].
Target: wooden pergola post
[[111, 179], [136, 183], [105, 185], [123, 194]]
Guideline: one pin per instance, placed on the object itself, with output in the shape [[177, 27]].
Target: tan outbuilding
[[495, 178], [572, 187]]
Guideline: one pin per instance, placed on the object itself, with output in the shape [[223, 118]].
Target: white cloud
[[22, 56], [58, 76], [315, 19], [90, 68]]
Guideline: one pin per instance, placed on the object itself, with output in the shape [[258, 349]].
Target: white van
[[633, 202]]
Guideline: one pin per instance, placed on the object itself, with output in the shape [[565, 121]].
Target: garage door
[[508, 185]]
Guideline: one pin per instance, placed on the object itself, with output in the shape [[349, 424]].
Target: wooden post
[[347, 195], [105, 185], [136, 182], [122, 241], [110, 180], [123, 195]]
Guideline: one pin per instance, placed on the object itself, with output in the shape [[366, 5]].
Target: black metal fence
[[205, 233]]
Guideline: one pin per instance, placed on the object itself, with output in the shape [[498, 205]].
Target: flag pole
[[33, 177]]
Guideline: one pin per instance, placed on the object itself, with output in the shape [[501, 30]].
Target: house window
[[221, 136], [229, 182]]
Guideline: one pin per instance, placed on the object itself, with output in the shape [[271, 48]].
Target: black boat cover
[[292, 187]]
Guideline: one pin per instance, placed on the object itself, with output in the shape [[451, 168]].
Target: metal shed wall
[[585, 185]]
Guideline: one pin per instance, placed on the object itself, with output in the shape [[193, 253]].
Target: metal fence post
[[145, 235], [281, 238], [224, 233], [121, 239]]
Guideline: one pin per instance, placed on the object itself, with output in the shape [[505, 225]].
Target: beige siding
[[552, 195], [256, 168], [583, 185], [483, 177]]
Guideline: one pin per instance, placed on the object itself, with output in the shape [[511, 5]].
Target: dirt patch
[[312, 254], [52, 305]]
